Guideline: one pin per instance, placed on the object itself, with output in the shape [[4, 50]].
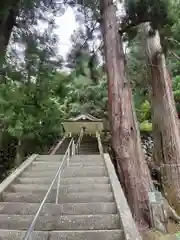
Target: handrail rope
[[31, 228]]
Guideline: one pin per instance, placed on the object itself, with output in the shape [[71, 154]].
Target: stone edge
[[56, 147], [127, 221], [5, 184]]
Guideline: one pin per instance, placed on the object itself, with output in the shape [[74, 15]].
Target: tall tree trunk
[[135, 176], [164, 117], [7, 22]]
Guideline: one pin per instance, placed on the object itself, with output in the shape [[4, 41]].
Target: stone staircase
[[89, 145], [91, 203], [86, 208]]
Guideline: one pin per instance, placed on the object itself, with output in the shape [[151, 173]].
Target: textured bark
[[7, 22], [135, 176], [165, 119]]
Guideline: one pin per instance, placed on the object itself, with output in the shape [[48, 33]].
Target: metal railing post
[[99, 143], [73, 148], [78, 144], [28, 235], [68, 157], [58, 186]]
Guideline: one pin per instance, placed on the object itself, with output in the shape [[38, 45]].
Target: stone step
[[85, 172], [88, 197], [46, 174], [45, 163], [19, 235], [54, 223], [87, 157], [70, 172], [86, 163], [89, 149], [17, 208], [64, 235], [88, 235], [49, 158], [63, 188], [84, 160], [75, 180], [87, 153], [43, 167]]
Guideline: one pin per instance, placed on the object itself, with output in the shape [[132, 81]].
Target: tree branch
[[176, 56], [173, 40]]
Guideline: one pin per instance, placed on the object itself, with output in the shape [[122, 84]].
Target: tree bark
[[164, 118], [135, 177], [7, 22]]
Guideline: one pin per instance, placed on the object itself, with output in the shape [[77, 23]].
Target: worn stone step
[[65, 198], [54, 168], [84, 157], [90, 149], [46, 163], [83, 163], [88, 235], [48, 174], [43, 166], [70, 222], [63, 188], [85, 172], [19, 235], [75, 180], [18, 208], [49, 158], [64, 235], [87, 153], [86, 161], [40, 169], [44, 169], [70, 172]]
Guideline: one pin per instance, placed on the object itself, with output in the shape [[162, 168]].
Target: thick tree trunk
[[135, 176], [164, 117], [7, 22]]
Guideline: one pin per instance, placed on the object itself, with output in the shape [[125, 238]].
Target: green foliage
[[146, 126], [156, 12], [176, 92], [85, 97], [36, 94], [29, 96], [145, 110]]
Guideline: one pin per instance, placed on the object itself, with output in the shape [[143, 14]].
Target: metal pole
[[58, 175], [73, 148], [68, 157], [58, 186]]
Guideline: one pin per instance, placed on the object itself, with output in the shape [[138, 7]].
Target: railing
[[99, 144], [69, 152], [78, 144]]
